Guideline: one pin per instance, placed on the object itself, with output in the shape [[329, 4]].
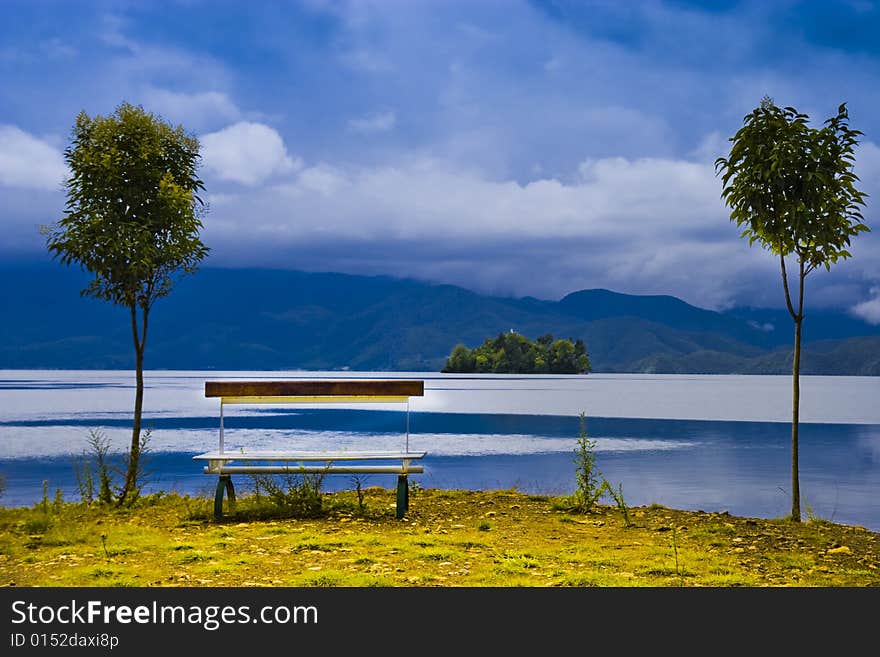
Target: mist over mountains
[[261, 319]]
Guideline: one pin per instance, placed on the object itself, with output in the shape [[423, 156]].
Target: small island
[[512, 353]]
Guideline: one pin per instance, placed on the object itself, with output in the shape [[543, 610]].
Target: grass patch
[[443, 541]]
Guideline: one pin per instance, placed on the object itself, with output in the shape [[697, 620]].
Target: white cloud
[[372, 124], [112, 33], [869, 310], [711, 147], [29, 162], [195, 111], [643, 226], [246, 153]]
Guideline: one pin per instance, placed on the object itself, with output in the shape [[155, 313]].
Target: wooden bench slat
[[319, 399], [316, 388]]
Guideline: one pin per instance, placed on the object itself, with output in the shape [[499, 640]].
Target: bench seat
[[218, 462], [280, 455]]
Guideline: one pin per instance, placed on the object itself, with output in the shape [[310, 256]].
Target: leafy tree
[[792, 188], [513, 353], [132, 219], [461, 360]]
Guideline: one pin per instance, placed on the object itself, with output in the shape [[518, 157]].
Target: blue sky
[[517, 148]]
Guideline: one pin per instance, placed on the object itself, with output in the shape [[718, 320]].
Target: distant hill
[[275, 319]]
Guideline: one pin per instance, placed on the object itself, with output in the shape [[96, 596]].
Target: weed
[[58, 502], [591, 485], [298, 495], [811, 516], [617, 496], [95, 463], [588, 477], [359, 489], [38, 525], [44, 502]]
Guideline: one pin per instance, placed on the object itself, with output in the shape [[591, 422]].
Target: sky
[[511, 147]]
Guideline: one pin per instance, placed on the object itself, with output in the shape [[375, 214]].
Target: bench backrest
[[338, 390], [312, 391]]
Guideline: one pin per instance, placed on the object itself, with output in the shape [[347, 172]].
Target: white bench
[[305, 462]]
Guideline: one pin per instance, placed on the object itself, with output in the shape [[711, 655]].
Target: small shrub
[[359, 490], [590, 484], [38, 525], [96, 464], [58, 502], [44, 502], [297, 495], [617, 496]]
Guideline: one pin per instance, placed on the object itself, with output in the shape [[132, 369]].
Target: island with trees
[[512, 353]]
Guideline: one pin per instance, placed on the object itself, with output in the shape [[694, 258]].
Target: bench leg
[[402, 495], [224, 482]]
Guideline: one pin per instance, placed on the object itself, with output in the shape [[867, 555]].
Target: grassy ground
[[448, 538]]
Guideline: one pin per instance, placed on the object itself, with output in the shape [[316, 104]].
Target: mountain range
[[262, 319]]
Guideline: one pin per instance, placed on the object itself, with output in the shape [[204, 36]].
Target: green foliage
[[44, 501], [617, 496], [132, 219], [512, 353], [95, 464], [132, 211], [358, 482], [791, 187], [91, 463], [590, 484], [292, 495]]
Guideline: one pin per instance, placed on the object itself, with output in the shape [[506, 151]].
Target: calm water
[[693, 442]]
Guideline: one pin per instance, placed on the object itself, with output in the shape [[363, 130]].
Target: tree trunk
[[134, 453], [796, 397], [795, 412]]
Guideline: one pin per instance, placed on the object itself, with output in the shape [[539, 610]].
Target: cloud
[[869, 310], [29, 162], [246, 153], [194, 110], [545, 146], [372, 124], [642, 226]]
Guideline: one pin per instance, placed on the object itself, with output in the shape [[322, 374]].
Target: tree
[[460, 360], [793, 190], [132, 219], [512, 353]]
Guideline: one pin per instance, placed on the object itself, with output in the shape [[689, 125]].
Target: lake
[[692, 442]]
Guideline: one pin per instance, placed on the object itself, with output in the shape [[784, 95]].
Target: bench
[[342, 391]]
